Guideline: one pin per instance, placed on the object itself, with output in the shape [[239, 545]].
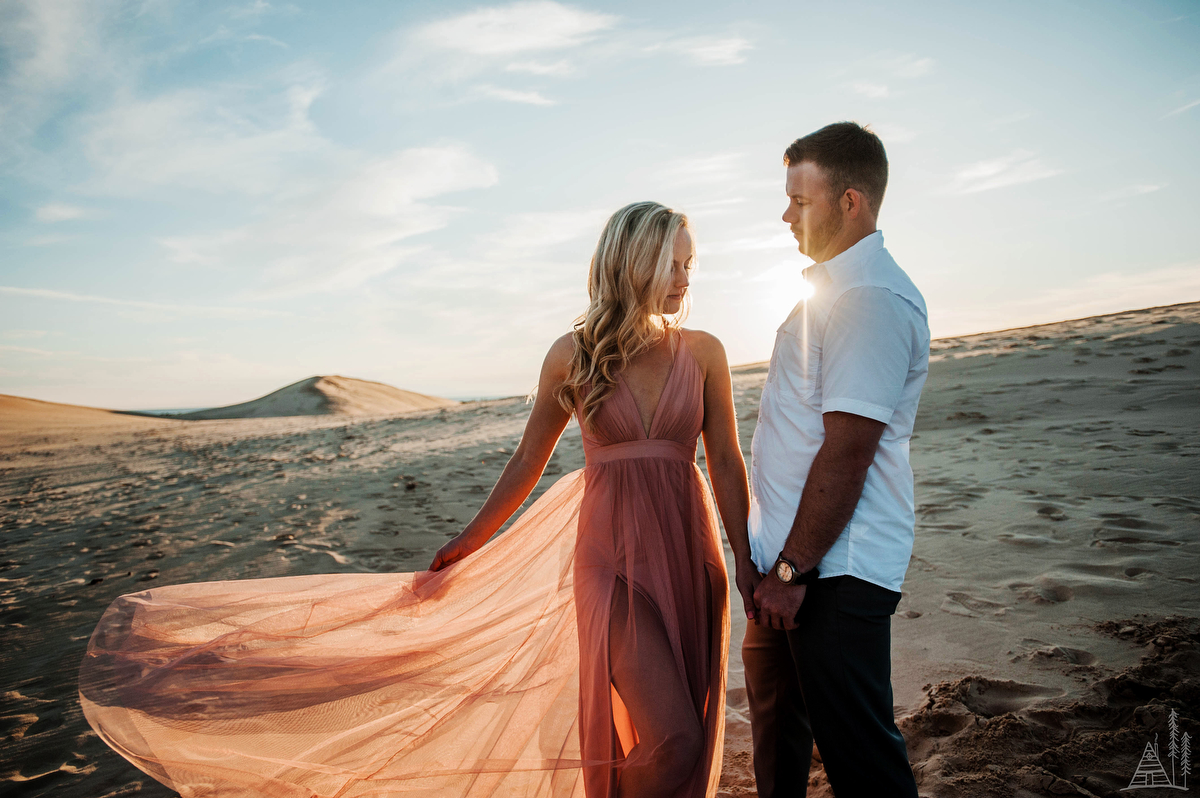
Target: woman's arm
[[724, 457], [542, 431]]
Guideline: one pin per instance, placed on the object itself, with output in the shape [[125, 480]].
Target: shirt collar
[[820, 273]]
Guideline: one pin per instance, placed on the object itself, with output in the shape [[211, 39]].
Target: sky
[[203, 202]]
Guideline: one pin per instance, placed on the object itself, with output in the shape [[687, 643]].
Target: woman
[[583, 651]]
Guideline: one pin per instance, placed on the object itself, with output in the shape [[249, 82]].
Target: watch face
[[784, 571]]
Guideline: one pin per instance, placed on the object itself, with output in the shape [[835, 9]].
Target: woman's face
[[683, 255]]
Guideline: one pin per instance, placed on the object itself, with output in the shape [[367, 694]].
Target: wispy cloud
[[1128, 192], [345, 230], [715, 208], [872, 90], [528, 232], [909, 66], [1009, 119], [893, 134], [875, 77], [219, 140], [723, 167], [531, 26], [51, 51], [1182, 108], [756, 238], [708, 50], [197, 310], [46, 42], [515, 96], [25, 350], [61, 212], [555, 68], [1020, 167], [47, 241], [256, 8], [224, 35], [259, 37]]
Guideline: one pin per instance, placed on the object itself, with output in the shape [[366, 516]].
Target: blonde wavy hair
[[628, 283]]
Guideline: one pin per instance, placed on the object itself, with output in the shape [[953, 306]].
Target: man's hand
[[778, 603], [747, 580]]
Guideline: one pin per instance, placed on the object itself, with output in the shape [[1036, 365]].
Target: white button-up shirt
[[859, 344]]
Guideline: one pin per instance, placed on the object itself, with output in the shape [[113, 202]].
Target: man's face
[[814, 215]]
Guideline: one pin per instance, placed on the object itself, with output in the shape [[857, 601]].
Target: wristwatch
[[785, 571]]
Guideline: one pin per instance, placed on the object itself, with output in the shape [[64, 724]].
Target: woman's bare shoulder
[[705, 346], [558, 359]]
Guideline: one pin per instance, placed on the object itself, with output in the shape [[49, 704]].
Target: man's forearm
[[831, 492]]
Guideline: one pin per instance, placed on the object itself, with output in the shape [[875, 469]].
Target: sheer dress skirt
[[461, 682], [480, 680], [648, 549]]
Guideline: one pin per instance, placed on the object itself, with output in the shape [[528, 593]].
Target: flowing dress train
[[494, 677]]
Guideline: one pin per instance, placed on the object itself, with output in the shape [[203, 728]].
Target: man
[[831, 516]]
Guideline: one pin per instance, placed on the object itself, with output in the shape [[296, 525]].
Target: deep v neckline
[[657, 407]]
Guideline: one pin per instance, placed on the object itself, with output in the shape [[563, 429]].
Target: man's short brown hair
[[850, 154]]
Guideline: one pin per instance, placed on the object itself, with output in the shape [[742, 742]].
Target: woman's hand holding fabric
[[456, 549]]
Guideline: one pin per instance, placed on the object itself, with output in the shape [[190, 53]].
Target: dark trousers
[[828, 681]]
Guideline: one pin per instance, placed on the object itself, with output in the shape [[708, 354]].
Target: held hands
[[778, 603], [747, 579], [456, 549]]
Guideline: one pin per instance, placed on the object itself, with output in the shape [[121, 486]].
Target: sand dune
[[18, 414], [327, 396], [1034, 651]]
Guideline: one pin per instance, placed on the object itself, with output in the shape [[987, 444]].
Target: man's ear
[[853, 202]]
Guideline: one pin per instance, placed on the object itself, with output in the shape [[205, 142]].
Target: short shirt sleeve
[[866, 353]]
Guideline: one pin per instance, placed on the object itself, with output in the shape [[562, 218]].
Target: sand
[[20, 416], [325, 396], [1048, 622]]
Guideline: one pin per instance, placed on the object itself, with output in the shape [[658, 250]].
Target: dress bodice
[[677, 419]]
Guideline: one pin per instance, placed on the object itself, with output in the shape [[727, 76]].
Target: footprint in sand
[[1050, 591], [1043, 590], [1124, 521], [970, 606], [943, 527], [1051, 512], [1130, 530], [1026, 535], [1051, 654], [991, 697]]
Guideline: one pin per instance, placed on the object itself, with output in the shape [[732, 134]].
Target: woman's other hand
[[456, 549], [747, 579], [726, 467], [546, 423]]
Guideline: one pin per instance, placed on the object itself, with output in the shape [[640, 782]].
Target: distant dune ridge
[[315, 396], [20, 414], [327, 396]]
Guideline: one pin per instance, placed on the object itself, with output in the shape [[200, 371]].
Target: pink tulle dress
[[523, 670]]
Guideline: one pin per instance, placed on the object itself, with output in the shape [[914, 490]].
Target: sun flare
[[785, 286]]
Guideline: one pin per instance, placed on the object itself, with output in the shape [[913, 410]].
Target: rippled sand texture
[[1058, 492]]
